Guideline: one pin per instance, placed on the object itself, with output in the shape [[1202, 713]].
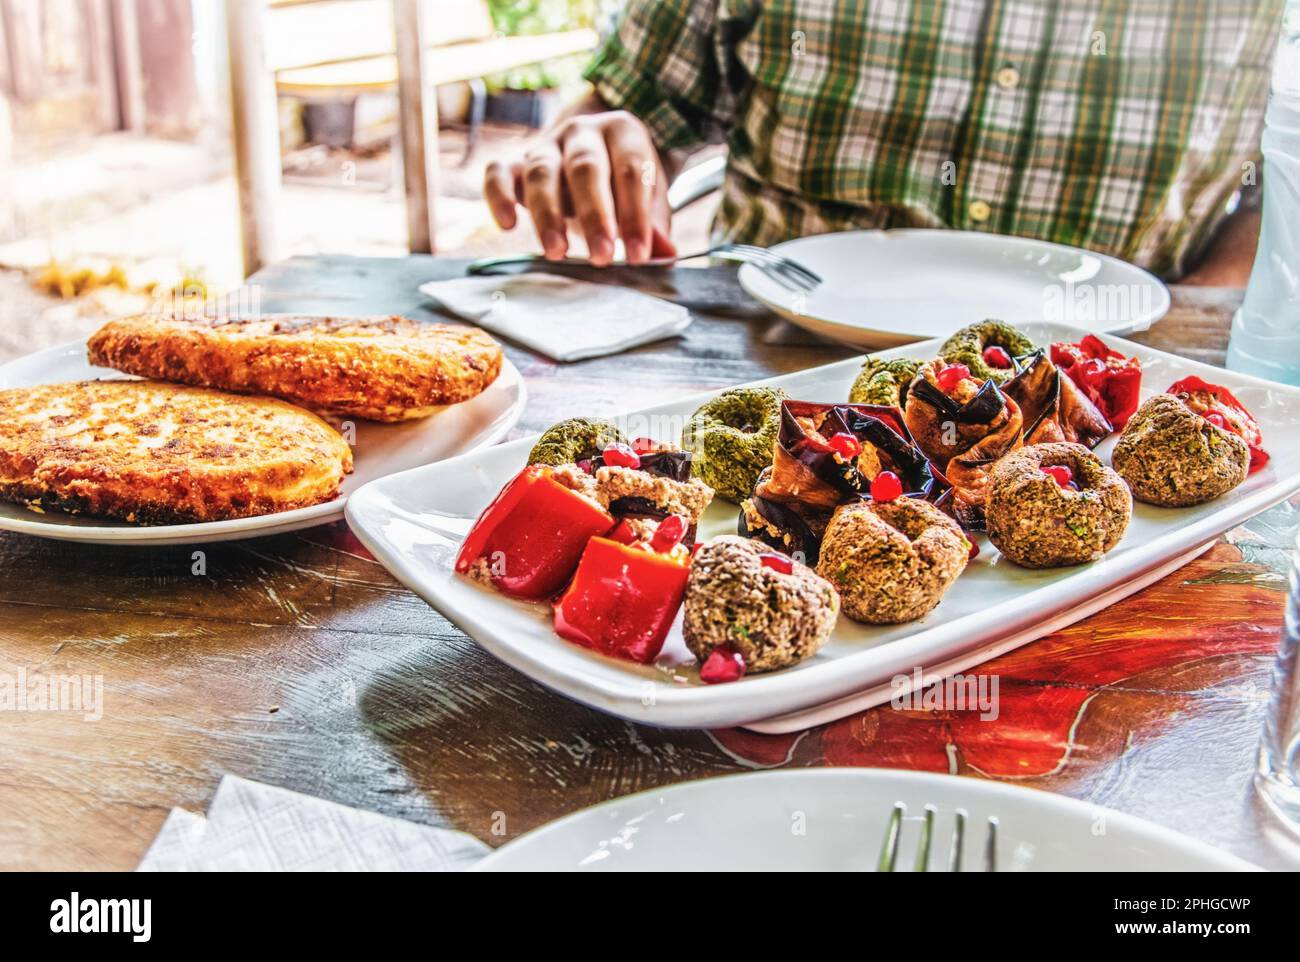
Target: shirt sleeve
[[662, 64]]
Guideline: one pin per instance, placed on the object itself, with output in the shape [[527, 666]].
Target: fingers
[[635, 176], [661, 242], [586, 174], [603, 171], [499, 190], [541, 182]]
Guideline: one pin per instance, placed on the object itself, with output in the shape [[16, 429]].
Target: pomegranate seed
[[974, 552], [1060, 473], [951, 376], [585, 466], [886, 486], [777, 562], [995, 356], [1217, 419], [621, 456], [645, 445], [723, 664], [669, 534], [622, 533], [845, 445]]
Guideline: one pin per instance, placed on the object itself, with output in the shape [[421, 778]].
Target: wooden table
[[296, 660]]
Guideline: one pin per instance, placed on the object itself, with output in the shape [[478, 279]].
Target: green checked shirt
[[1123, 126]]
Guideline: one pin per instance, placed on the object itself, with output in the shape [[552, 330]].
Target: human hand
[[600, 170]]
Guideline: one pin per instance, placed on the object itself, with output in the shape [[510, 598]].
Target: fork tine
[[796, 272], [991, 846], [796, 266], [769, 270], [764, 259], [922, 863], [803, 282], [958, 841], [889, 847], [785, 280], [726, 252], [793, 265]]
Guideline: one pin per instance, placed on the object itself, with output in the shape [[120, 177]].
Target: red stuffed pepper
[[1218, 404], [528, 541], [624, 597], [1110, 380]]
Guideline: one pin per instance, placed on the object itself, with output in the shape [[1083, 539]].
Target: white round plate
[[834, 819], [377, 450], [884, 288]]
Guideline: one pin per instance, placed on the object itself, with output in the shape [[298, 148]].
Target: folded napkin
[[560, 317], [252, 827]]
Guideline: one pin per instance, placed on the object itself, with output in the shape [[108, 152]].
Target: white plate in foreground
[[414, 522], [377, 450], [882, 288], [743, 823]]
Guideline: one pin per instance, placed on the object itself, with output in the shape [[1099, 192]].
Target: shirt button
[[978, 211], [1008, 78]]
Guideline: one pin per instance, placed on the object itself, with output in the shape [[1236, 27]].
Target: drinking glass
[[1266, 330], [1278, 774]]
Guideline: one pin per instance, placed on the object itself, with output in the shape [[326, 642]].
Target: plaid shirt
[[1123, 126]]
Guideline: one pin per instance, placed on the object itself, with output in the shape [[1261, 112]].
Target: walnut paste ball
[[1173, 457], [1039, 522], [774, 614], [891, 561]]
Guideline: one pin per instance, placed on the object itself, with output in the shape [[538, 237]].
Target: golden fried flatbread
[[379, 368], [154, 453]]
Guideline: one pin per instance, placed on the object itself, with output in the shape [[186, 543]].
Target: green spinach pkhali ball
[[570, 441], [883, 381], [731, 439], [968, 345]]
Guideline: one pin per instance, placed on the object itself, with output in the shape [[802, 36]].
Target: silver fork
[[921, 863], [789, 274]]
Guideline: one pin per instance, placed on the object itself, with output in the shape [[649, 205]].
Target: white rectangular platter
[[414, 521]]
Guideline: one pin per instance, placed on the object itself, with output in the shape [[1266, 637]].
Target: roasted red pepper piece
[[623, 599], [532, 535], [1205, 399], [1110, 380], [623, 533]]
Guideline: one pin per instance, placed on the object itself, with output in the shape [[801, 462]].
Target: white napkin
[[560, 317], [252, 827]]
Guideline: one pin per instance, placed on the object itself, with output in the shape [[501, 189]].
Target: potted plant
[[532, 96]]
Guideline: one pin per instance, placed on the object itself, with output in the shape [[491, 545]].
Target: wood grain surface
[[296, 660]]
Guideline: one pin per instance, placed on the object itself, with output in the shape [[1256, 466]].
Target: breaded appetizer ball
[[772, 610], [628, 488], [891, 561], [1173, 457], [1052, 505]]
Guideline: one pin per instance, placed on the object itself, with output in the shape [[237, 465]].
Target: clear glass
[[1266, 330], [1278, 777]]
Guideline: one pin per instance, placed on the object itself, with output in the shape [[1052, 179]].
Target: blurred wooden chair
[[338, 49]]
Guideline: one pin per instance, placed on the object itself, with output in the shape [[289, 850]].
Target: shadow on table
[[498, 755]]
